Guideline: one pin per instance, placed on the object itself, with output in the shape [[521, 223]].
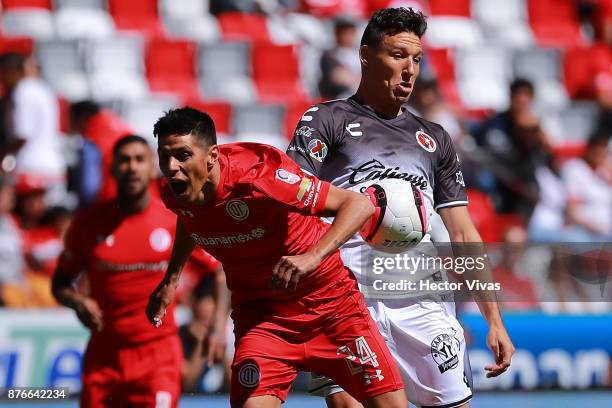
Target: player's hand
[[89, 314], [500, 344], [213, 347], [159, 301], [290, 269]]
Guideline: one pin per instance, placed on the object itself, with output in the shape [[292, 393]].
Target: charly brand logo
[[445, 352], [425, 141], [237, 209], [351, 128], [375, 170], [306, 117]]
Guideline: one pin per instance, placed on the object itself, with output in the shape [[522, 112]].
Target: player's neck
[[132, 205], [384, 109], [209, 191]]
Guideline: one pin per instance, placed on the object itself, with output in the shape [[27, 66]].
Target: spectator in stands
[[588, 182], [429, 104], [101, 129], [340, 67], [199, 372], [603, 86], [517, 146], [33, 122], [11, 243]]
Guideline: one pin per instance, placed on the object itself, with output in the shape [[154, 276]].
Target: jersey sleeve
[[314, 138], [282, 180], [72, 260], [449, 187]]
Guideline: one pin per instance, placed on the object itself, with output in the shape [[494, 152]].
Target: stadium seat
[[538, 64], [581, 66], [16, 4], [276, 72], [243, 27], [575, 123], [76, 23], [183, 9], [487, 86], [20, 45], [555, 23], [93, 4], [220, 112], [452, 31], [116, 69], [254, 120], [141, 115], [224, 72], [34, 23], [482, 211], [62, 64], [170, 67], [505, 13], [202, 29], [459, 8], [332, 8], [136, 15]]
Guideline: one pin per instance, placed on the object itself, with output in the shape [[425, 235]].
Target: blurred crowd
[[525, 186]]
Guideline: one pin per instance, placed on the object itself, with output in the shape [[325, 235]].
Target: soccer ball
[[400, 219]]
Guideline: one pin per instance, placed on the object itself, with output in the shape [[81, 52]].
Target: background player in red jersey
[[295, 306], [123, 246]]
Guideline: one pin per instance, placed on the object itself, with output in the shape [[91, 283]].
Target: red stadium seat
[[555, 23], [459, 8], [482, 211], [581, 66], [220, 112], [170, 66], [21, 45], [332, 8], [276, 72], [244, 27], [13, 4], [137, 15]]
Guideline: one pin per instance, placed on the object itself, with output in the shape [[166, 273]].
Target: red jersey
[[263, 209], [125, 256]]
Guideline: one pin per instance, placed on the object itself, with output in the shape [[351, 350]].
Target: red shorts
[[143, 375], [341, 342]]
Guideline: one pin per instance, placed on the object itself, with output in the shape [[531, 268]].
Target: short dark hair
[[205, 287], [184, 121], [12, 61], [128, 139], [521, 84], [391, 21], [599, 139], [83, 109]]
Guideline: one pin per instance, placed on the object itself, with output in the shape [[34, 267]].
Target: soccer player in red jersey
[[123, 246], [294, 304]]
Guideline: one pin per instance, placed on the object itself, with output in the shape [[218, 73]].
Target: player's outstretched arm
[[462, 230], [163, 295], [86, 308], [351, 211]]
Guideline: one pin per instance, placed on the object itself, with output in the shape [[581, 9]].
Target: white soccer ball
[[400, 220]]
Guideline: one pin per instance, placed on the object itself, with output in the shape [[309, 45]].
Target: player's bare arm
[[351, 210], [86, 308], [215, 342], [164, 293], [461, 229]]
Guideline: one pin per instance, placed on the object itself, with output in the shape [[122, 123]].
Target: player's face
[[187, 164], [133, 169], [393, 66]]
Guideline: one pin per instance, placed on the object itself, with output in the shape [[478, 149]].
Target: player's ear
[[213, 156], [363, 55]]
